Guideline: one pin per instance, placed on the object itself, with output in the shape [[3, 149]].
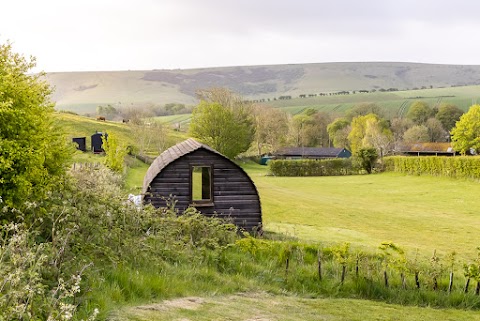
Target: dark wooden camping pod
[[199, 176]]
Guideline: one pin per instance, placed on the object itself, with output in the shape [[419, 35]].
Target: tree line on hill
[[233, 126]]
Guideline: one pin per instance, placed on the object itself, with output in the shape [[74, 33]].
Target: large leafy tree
[[448, 115], [223, 121], [419, 112], [32, 150], [367, 156], [309, 128], [338, 132], [466, 133], [271, 128], [417, 134], [370, 131]]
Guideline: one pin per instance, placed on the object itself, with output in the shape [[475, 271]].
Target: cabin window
[[201, 185]]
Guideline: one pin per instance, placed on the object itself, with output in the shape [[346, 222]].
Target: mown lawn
[[424, 213], [266, 307]]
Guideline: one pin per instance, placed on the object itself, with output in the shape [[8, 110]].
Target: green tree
[[448, 115], [466, 133], [224, 122], [417, 134], [436, 132], [365, 109], [419, 112], [115, 153], [271, 128], [33, 153], [370, 131], [309, 128], [399, 126], [338, 132], [367, 156]]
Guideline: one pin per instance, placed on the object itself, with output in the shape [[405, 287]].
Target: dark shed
[[97, 142], [81, 143], [199, 176]]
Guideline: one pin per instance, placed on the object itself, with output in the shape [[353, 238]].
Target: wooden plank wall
[[235, 195]]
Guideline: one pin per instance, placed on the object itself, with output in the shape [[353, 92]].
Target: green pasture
[[463, 97], [415, 212], [424, 213], [263, 306], [81, 126], [172, 119]]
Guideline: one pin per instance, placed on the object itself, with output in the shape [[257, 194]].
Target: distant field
[[463, 97]]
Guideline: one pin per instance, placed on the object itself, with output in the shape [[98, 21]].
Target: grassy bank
[[264, 306]]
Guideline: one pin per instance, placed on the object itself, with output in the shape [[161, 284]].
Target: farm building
[[311, 153], [199, 176], [426, 149]]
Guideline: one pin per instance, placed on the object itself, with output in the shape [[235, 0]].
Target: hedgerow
[[455, 167], [312, 167]]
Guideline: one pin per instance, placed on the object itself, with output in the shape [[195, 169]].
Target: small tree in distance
[[367, 156], [223, 121], [466, 133]]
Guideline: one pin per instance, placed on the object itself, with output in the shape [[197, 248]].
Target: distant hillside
[[83, 91]]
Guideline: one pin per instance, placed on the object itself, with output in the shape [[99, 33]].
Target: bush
[[311, 167]]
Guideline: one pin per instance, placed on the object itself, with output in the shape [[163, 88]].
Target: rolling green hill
[[83, 91], [394, 104], [81, 126]]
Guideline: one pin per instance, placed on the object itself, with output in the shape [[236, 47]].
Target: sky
[[91, 35]]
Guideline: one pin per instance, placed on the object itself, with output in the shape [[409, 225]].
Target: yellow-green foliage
[[312, 167], [32, 152], [115, 153], [457, 167], [466, 133]]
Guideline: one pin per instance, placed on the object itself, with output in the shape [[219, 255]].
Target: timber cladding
[[199, 176]]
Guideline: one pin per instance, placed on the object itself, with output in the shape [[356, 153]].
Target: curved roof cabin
[[199, 176]]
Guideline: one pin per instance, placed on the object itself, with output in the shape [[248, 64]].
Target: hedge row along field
[[312, 167], [455, 167]]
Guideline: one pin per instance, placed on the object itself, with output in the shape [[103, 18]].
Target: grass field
[[267, 307], [424, 213], [415, 212], [80, 126]]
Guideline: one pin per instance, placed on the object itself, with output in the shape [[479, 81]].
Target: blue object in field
[[264, 160]]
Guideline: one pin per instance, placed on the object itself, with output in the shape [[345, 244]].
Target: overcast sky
[[82, 35]]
